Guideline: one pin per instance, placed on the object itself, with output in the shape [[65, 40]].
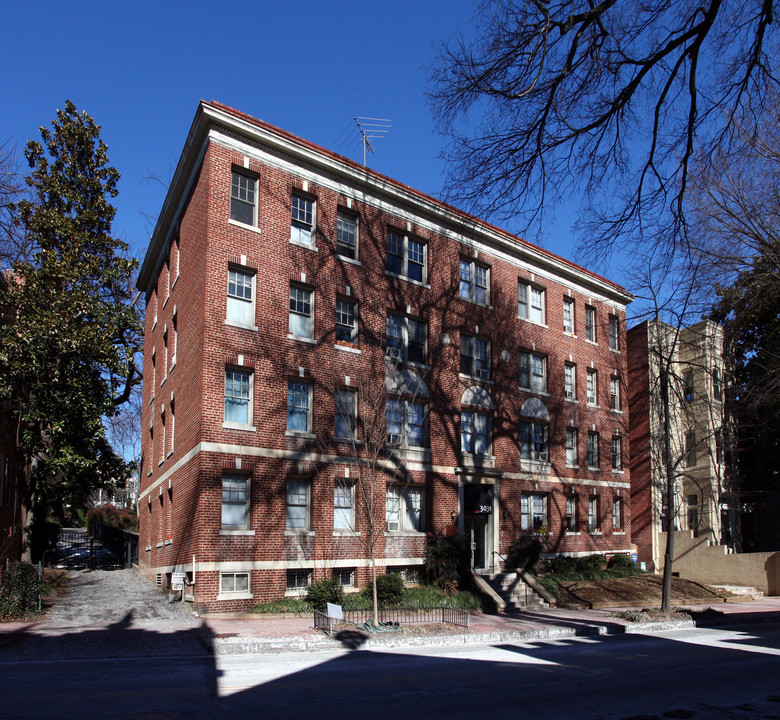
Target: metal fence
[[402, 616]]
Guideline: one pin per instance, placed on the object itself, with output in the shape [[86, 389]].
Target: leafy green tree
[[70, 327]]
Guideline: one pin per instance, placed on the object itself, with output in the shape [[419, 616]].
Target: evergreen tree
[[70, 328]]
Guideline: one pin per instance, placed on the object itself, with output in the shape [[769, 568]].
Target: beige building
[[692, 360]]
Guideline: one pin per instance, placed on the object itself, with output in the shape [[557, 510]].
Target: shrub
[[561, 564], [19, 590], [446, 561], [524, 553], [590, 563], [621, 562], [325, 591], [389, 590], [111, 516]]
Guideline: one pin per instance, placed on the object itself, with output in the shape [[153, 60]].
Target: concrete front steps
[[514, 591]]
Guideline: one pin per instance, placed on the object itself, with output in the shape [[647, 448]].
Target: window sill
[[405, 533], [236, 223], [475, 378], [594, 469], [477, 461], [349, 260], [239, 426], [309, 341], [618, 472], [573, 401], [407, 454], [573, 533], [175, 280], [570, 333], [165, 302], [298, 434], [347, 441], [594, 406], [307, 246], [616, 351], [539, 466], [541, 393], [169, 454], [618, 532], [236, 533], [162, 382], [160, 462], [159, 545], [243, 326], [235, 596], [617, 412], [149, 474], [154, 324], [572, 467], [345, 533], [173, 364], [419, 366], [169, 541], [407, 279], [299, 533], [344, 348], [534, 322], [296, 593], [487, 306], [148, 548], [591, 342], [595, 532]]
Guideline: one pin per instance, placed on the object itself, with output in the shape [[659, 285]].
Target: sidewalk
[[139, 637]]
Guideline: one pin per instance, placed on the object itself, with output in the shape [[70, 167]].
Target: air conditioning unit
[[570, 394], [393, 439], [568, 329], [542, 456], [592, 399], [484, 373], [393, 526]]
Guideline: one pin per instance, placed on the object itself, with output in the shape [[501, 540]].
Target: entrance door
[[476, 527]]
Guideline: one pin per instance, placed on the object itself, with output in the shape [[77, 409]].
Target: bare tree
[[380, 413], [613, 98], [14, 243]]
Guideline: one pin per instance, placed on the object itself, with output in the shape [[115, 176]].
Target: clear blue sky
[[140, 68]]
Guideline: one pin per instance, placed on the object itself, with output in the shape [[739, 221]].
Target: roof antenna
[[371, 129]]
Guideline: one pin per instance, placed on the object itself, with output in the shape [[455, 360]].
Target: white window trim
[[402, 489], [356, 219], [305, 196], [245, 526], [253, 302], [405, 340], [592, 398], [306, 530], [305, 288], [529, 388], [300, 433], [230, 425], [343, 483], [253, 178], [569, 302], [473, 265], [239, 594], [472, 345], [404, 274], [528, 309]]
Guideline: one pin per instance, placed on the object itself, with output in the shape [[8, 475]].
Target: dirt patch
[[633, 591]]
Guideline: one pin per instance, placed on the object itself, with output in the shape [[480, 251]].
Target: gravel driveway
[[106, 596]]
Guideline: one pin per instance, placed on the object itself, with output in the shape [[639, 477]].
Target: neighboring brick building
[[694, 357], [10, 507], [278, 269]]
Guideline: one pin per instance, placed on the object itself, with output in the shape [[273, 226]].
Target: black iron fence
[[107, 548], [402, 616]]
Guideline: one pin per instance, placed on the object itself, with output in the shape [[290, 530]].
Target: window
[[474, 282], [297, 504], [344, 577], [688, 385], [533, 441], [533, 372], [343, 499], [301, 312], [303, 216], [175, 327], [593, 514], [238, 397], [240, 297], [690, 449], [716, 389], [235, 501], [590, 323], [298, 406], [162, 439], [407, 339], [346, 414], [234, 582], [403, 508], [591, 385], [568, 316], [347, 235], [406, 423], [617, 514], [570, 381], [571, 447], [475, 433], [593, 450], [617, 453], [242, 198], [693, 514], [571, 513], [475, 356], [298, 580], [530, 302], [346, 321], [171, 432], [614, 325], [614, 393], [406, 256], [533, 512]]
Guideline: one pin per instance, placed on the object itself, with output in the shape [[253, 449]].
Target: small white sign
[[177, 580], [335, 611]]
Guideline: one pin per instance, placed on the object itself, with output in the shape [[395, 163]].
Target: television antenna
[[371, 129]]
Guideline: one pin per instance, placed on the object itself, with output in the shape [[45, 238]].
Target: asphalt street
[[701, 674]]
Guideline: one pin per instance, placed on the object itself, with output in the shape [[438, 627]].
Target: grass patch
[[551, 581], [413, 597], [650, 615]]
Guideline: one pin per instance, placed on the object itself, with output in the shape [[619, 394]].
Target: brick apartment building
[[277, 274], [694, 357]]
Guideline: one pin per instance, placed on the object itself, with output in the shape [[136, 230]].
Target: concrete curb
[[258, 646]]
